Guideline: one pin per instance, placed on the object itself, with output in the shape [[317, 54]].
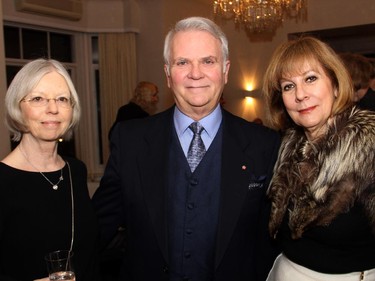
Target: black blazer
[[133, 192]]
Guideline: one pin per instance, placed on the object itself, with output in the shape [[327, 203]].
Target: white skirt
[[285, 270]]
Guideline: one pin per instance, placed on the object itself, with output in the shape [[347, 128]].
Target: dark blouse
[[346, 245], [35, 220]]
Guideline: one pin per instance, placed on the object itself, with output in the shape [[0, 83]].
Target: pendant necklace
[[55, 186]]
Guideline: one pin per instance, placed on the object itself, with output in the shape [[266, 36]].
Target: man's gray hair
[[198, 24]]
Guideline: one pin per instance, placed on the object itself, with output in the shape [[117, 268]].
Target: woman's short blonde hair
[[288, 59], [23, 83]]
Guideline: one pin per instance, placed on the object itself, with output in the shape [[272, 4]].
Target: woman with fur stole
[[323, 190]]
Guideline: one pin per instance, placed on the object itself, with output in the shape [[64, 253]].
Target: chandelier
[[260, 16]]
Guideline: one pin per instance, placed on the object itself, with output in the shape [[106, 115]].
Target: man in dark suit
[[203, 221], [141, 105]]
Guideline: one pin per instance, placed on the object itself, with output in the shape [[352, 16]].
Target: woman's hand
[[43, 279]]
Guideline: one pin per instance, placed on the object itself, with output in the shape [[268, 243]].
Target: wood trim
[[68, 9]]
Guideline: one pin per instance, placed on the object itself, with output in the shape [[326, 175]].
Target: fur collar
[[317, 181]]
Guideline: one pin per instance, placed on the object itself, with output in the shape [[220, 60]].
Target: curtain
[[117, 78]]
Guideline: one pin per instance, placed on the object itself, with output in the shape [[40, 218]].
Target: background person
[[360, 71], [322, 191], [372, 80], [368, 100], [142, 104], [258, 120], [207, 221], [44, 200]]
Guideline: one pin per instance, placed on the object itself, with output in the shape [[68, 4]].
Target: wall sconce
[[250, 94]]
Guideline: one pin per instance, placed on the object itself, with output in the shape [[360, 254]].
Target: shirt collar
[[211, 122]]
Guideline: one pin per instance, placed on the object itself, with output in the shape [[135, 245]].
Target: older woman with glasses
[[44, 201]]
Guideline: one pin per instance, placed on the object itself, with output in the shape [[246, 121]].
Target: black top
[[346, 245], [35, 220]]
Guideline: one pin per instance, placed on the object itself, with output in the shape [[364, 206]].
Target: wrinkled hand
[[43, 279]]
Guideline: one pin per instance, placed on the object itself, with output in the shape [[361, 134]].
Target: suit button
[[190, 206], [165, 269], [194, 182], [187, 255]]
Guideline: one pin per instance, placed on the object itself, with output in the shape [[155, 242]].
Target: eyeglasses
[[40, 101]]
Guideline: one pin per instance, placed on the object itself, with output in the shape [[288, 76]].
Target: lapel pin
[[243, 167]]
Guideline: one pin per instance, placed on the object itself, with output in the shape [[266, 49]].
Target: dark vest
[[193, 208]]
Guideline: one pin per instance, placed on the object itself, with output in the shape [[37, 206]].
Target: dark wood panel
[[356, 39]]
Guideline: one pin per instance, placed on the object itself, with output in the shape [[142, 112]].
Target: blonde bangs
[[293, 61]]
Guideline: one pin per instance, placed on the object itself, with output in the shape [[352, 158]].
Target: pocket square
[[257, 182]]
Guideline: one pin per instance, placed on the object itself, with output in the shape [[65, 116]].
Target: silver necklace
[[55, 186]]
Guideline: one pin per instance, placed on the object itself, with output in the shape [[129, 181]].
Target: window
[[28, 44]]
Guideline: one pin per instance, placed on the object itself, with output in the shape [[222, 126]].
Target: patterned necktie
[[196, 148]]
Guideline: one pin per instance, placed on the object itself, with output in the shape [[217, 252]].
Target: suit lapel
[[153, 166], [234, 182]]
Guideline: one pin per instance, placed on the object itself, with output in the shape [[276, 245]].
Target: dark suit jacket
[[133, 192]]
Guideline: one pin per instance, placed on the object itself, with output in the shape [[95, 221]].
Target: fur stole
[[317, 181]]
